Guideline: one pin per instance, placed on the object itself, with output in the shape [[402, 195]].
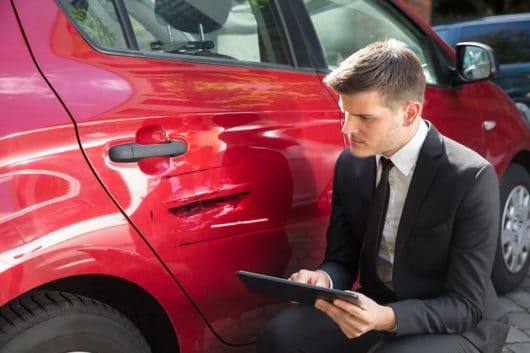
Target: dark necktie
[[374, 227]]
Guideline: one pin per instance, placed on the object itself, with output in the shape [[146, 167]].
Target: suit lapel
[[424, 173]]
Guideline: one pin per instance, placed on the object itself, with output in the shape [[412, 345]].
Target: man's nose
[[349, 125]]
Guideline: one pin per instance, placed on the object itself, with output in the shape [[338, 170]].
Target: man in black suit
[[422, 241]]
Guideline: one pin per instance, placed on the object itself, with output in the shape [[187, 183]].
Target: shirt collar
[[405, 158]]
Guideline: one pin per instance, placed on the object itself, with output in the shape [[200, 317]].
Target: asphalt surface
[[517, 303]]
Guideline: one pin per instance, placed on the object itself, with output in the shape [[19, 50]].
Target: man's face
[[372, 127]]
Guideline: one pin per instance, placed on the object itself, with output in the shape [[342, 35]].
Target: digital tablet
[[295, 291]]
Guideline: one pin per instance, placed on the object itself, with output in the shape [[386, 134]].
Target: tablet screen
[[295, 291]]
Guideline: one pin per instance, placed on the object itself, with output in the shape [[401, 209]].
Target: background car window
[[443, 33], [98, 20], [232, 29], [510, 40], [345, 26]]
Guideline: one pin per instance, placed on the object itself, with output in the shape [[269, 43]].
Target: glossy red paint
[[243, 188], [56, 221], [251, 192], [255, 137]]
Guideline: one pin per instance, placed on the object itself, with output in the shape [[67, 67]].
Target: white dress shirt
[[399, 179]]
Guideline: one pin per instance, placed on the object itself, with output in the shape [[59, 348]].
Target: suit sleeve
[[342, 251], [475, 233]]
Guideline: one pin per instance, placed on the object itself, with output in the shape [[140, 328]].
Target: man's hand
[[354, 320], [316, 278]]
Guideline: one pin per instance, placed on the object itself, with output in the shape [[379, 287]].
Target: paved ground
[[517, 303]]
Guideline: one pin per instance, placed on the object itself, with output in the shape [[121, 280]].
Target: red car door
[[213, 144]]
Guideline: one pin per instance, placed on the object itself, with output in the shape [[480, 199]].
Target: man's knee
[[295, 329], [274, 339], [284, 330]]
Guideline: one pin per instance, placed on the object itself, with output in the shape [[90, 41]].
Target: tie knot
[[386, 164]]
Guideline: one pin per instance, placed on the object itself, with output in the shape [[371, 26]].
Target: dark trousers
[[304, 329]]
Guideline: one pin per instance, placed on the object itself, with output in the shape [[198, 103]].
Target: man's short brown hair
[[387, 67]]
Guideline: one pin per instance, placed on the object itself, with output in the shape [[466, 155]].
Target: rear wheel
[[59, 322], [512, 258]]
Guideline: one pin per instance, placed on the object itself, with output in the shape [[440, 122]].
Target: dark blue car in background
[[509, 36]]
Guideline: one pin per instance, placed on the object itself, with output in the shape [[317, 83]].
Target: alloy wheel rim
[[515, 235]]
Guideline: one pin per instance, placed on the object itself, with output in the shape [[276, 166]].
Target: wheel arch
[[523, 158], [131, 300]]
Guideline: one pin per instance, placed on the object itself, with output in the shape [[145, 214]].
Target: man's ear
[[412, 111]]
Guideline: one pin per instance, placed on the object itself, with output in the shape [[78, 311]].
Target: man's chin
[[360, 152]]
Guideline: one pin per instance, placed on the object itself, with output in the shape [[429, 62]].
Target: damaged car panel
[[151, 148]]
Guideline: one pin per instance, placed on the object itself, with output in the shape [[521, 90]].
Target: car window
[[511, 40], [345, 26], [246, 30], [98, 20]]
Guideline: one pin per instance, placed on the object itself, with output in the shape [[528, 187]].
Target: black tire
[[512, 257], [59, 322]]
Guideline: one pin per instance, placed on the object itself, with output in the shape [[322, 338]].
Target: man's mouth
[[355, 141]]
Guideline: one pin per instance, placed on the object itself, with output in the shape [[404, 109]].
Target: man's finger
[[302, 276], [336, 313], [353, 309], [347, 323]]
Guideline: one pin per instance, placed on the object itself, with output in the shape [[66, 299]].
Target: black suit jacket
[[445, 243]]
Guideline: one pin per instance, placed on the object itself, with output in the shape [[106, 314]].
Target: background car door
[[239, 141]]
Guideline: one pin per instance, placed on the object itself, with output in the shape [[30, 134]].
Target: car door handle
[[133, 152], [489, 124]]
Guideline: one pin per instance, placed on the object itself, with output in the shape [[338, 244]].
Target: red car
[[151, 148]]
